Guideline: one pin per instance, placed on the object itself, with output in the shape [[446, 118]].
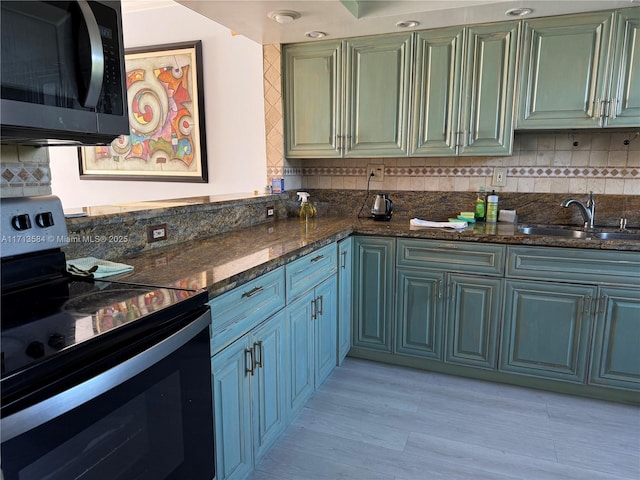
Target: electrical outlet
[[270, 212], [155, 233], [499, 177], [377, 170]]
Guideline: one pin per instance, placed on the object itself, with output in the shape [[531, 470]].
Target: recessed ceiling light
[[315, 34], [283, 16], [407, 24], [518, 12]]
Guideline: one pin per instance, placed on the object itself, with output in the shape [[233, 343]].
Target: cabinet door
[[563, 71], [473, 316], [616, 343], [420, 313], [345, 275], [373, 269], [269, 394], [232, 409], [489, 89], [378, 73], [325, 319], [301, 358], [436, 92], [313, 99], [624, 95], [546, 329]]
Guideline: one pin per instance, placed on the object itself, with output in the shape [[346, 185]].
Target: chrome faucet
[[588, 211]]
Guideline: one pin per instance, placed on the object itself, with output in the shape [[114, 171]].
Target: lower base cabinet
[[311, 322], [547, 329], [249, 397], [473, 319], [615, 357]]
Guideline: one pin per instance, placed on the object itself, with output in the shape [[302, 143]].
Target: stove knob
[[21, 222], [44, 219], [57, 341], [35, 349]]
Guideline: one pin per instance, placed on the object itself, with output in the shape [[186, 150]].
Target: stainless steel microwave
[[62, 75]]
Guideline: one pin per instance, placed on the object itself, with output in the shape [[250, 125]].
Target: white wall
[[234, 115]]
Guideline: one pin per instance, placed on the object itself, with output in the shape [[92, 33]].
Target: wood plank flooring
[[371, 421]]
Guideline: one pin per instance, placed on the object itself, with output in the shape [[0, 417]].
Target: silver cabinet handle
[[258, 360], [97, 56], [252, 292], [314, 309], [343, 265], [251, 368], [321, 300], [316, 259]]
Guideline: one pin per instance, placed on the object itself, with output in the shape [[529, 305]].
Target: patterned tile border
[[461, 171], [16, 175]]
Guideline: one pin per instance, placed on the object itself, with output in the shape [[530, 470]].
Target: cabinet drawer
[[461, 257], [236, 312], [310, 270], [573, 264]]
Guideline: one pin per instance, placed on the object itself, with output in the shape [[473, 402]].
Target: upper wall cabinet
[[347, 98], [312, 75], [463, 94], [581, 71]]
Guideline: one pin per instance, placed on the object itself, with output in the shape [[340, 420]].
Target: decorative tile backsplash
[[24, 171], [606, 163]]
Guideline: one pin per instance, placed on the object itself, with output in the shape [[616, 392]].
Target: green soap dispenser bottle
[[480, 206]]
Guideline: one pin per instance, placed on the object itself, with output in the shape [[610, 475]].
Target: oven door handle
[[40, 413]]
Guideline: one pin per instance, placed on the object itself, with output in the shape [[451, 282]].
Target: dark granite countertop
[[224, 261]]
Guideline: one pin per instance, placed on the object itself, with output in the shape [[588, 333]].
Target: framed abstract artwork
[[166, 118]]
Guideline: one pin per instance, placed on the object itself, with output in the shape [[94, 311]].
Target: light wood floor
[[372, 421]]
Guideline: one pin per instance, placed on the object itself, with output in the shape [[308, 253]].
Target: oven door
[[148, 418]]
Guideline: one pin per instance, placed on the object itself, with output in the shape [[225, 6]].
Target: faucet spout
[[588, 211]]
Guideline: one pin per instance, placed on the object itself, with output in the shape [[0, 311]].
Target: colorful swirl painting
[[166, 118]]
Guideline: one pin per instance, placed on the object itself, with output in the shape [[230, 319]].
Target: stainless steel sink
[[568, 232], [617, 236], [554, 232]]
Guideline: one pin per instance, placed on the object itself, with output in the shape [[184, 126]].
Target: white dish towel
[[98, 268], [416, 222]]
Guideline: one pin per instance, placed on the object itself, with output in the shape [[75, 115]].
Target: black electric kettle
[[382, 207]]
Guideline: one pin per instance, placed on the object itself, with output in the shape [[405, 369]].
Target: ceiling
[[350, 18]]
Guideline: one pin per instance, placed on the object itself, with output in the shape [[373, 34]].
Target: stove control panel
[[31, 224]]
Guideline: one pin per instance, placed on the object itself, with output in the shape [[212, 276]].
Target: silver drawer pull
[[252, 292], [315, 259], [448, 245]]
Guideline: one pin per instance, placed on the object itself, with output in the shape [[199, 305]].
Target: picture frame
[[167, 142]]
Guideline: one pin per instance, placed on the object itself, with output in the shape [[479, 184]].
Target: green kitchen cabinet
[[373, 293], [489, 89], [301, 382], [437, 92], [311, 323], [345, 280], [249, 397], [473, 319], [580, 71], [268, 342], [377, 86], [546, 329], [232, 407], [624, 90], [347, 98], [616, 342], [463, 95], [312, 81], [419, 313], [448, 300]]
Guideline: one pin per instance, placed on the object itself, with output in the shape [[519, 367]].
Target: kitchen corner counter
[[224, 261]]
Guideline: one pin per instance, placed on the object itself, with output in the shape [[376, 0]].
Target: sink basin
[[554, 232], [617, 236], [567, 232]]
